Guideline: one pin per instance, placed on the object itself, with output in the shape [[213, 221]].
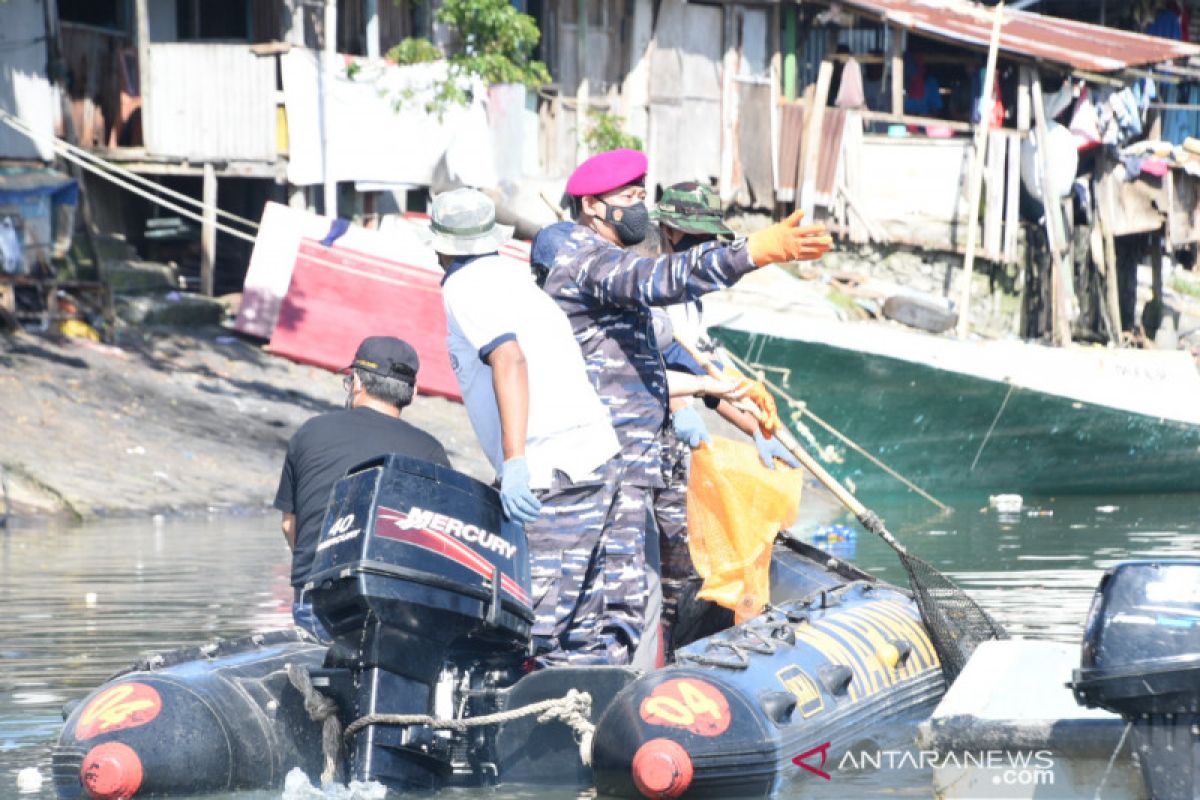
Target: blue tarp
[[1179, 123], [19, 185]]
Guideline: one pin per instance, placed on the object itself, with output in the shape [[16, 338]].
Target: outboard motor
[[425, 589], [1141, 659]]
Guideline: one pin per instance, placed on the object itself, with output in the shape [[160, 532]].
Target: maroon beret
[[604, 172]]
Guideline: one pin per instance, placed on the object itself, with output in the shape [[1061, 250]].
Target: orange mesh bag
[[736, 506]]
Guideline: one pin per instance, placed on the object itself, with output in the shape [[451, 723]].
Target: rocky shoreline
[[166, 421]]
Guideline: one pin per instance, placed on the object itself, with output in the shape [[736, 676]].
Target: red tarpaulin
[[339, 296]]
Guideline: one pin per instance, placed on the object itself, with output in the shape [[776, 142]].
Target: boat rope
[[992, 427], [573, 709], [801, 408], [322, 709]]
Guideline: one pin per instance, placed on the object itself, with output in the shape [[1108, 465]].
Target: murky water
[[80, 603]]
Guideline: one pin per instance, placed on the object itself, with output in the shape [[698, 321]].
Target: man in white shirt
[[538, 420]]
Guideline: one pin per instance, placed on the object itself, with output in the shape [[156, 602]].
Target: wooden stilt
[[208, 231]]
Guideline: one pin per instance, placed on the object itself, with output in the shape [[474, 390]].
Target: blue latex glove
[[689, 427], [771, 449], [518, 502]]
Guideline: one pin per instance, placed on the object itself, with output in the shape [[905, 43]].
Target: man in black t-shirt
[[380, 383]]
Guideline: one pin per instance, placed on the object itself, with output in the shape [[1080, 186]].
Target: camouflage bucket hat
[[692, 208]]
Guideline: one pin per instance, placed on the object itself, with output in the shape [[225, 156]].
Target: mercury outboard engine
[[1141, 659], [425, 589]]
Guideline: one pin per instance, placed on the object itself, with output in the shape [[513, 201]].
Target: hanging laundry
[[1155, 166], [1058, 102], [850, 90], [1085, 124], [996, 118], [923, 93], [1168, 22], [1125, 107]]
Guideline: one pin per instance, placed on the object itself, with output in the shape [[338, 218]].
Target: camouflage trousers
[[595, 594], [670, 512]]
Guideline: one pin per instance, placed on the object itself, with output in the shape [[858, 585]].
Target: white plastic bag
[[1063, 158], [11, 257]]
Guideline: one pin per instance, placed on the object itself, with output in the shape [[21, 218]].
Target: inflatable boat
[[428, 683]]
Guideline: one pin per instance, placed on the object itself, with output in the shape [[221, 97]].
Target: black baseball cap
[[387, 356]]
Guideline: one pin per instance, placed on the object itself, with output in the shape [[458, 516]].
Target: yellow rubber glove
[[787, 241]]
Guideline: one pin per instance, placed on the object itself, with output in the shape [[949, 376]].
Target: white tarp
[[378, 129], [24, 90]]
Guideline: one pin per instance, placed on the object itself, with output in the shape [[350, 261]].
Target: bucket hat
[[463, 223]]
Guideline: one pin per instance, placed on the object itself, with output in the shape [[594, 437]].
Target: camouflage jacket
[[607, 293]]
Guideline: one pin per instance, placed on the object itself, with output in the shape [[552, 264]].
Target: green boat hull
[[954, 433]]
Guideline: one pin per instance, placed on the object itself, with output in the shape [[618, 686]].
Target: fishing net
[[955, 622], [736, 507]]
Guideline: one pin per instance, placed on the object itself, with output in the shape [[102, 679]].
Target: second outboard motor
[[1141, 659], [425, 589]]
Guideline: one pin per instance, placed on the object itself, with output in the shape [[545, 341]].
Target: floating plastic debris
[[1006, 503], [29, 780], [837, 540]]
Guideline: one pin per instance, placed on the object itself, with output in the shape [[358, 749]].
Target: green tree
[[493, 42], [414, 51], [605, 133], [497, 41]]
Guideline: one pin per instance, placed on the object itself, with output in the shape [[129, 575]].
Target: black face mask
[[691, 240], [633, 225]]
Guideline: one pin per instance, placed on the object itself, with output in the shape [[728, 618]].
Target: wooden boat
[[984, 416]]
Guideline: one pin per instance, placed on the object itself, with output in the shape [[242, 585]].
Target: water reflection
[[82, 603]]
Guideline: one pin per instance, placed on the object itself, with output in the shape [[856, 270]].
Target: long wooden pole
[[325, 67], [794, 447], [976, 173], [1059, 325], [582, 90], [142, 31], [814, 116], [208, 231], [896, 65]]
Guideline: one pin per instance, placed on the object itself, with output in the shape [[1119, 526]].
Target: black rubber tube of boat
[[955, 622]]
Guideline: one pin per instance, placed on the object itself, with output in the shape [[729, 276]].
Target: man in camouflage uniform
[[607, 293], [690, 214]]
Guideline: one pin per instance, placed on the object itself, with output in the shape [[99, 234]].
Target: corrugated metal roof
[[1024, 33]]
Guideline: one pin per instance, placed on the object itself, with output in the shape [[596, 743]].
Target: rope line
[[67, 155], [25, 128], [574, 709], [992, 427], [802, 408], [320, 709]]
